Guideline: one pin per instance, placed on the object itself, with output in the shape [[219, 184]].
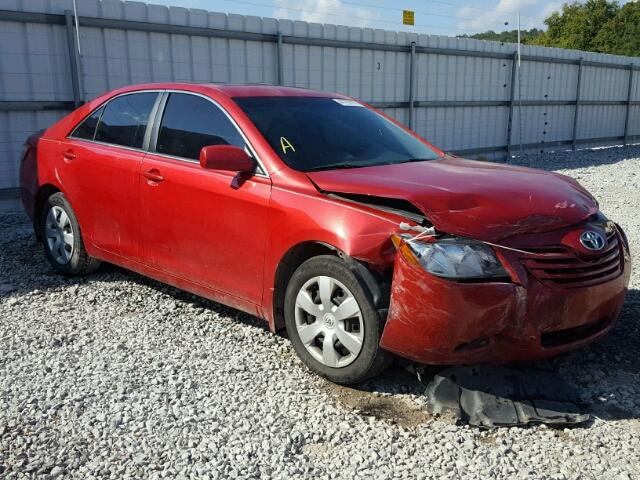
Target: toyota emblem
[[592, 240]]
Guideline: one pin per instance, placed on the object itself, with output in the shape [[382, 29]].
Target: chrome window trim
[[103, 106], [262, 173], [104, 144], [152, 116]]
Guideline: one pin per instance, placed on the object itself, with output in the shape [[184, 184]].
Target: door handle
[[153, 175], [69, 155]]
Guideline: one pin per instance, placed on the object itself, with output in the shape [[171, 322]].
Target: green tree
[[621, 34], [510, 36], [595, 26], [577, 24]]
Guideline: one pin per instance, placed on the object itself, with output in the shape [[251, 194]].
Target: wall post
[[280, 60], [577, 109], [628, 114], [74, 60], [512, 93], [412, 84]]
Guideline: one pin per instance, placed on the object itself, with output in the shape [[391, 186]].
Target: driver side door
[[206, 227]]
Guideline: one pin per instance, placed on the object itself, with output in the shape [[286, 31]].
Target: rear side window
[[125, 119], [189, 123], [87, 129]]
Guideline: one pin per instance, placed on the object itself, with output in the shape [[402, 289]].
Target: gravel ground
[[118, 376]]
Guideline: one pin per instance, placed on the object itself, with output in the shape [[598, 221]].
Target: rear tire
[[332, 323], [62, 238]]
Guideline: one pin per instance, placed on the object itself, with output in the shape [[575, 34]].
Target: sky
[[439, 17]]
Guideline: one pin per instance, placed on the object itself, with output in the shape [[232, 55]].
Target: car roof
[[232, 90], [235, 90]]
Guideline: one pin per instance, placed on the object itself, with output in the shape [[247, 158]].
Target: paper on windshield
[[347, 103]]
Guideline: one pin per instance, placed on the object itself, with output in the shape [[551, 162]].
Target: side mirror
[[226, 157]]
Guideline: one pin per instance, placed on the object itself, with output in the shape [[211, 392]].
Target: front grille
[[559, 266]]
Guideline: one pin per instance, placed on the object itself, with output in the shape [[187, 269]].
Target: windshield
[[315, 133]]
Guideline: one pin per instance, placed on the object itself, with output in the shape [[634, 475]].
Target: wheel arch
[[44, 192], [375, 284], [290, 261]]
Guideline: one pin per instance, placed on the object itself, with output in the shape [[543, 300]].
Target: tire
[[313, 332], [62, 238]]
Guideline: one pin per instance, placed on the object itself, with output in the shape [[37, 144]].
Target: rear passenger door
[[102, 159], [205, 226]]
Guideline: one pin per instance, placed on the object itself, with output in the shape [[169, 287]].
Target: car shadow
[[24, 270], [603, 373]]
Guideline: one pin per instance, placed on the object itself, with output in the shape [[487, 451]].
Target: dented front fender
[[430, 318]]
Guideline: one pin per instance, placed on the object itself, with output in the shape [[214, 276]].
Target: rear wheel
[[332, 324], [62, 238]]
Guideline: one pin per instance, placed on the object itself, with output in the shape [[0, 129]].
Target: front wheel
[[332, 324], [62, 239]]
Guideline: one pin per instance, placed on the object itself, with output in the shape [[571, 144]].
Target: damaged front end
[[497, 296], [460, 301], [434, 319]]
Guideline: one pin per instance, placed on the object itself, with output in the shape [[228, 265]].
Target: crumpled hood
[[481, 200]]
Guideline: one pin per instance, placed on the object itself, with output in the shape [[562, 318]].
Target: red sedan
[[319, 214]]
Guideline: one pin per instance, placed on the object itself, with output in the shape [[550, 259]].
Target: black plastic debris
[[495, 396]]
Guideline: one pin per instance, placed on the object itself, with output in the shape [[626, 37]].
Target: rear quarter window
[[86, 130]]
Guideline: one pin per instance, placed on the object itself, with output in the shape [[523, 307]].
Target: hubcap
[[329, 321], [59, 235]]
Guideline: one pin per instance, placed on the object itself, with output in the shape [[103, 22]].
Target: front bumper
[[437, 321]]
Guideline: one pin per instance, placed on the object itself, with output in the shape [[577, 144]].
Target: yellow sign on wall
[[408, 17]]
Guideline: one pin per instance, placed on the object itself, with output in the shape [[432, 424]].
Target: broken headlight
[[456, 258]]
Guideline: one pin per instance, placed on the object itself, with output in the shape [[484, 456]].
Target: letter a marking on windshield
[[284, 143]]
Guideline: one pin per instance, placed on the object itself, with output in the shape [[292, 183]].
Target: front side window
[[125, 119], [190, 122], [319, 133], [86, 130]]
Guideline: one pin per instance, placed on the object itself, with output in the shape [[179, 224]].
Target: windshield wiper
[[411, 160], [335, 166]]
